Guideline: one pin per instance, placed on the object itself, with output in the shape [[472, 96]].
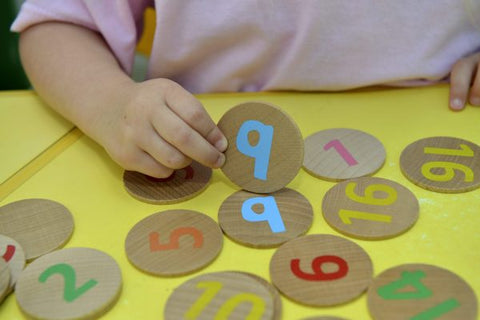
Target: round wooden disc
[[340, 154], [279, 157], [277, 300], [13, 254], [442, 164], [182, 185], [73, 283], [220, 295], [174, 242], [420, 291], [370, 208], [38, 225], [267, 222], [4, 280], [321, 270]]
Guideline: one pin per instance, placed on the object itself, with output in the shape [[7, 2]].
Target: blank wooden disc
[[38, 225], [174, 242], [420, 291], [182, 185], [262, 221], [370, 208], [220, 295], [278, 157], [442, 164], [73, 283], [4, 280], [340, 154], [321, 270], [14, 256]]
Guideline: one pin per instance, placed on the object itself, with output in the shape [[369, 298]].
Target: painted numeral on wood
[[465, 151], [70, 292], [448, 171], [447, 168], [318, 274], [9, 253], [393, 291], [341, 150], [212, 288], [347, 215], [174, 243], [369, 197], [261, 151], [270, 213]]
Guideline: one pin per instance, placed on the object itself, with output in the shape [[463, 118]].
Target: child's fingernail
[[456, 104], [220, 161], [475, 101], [221, 145]]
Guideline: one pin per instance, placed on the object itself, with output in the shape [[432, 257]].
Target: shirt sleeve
[[119, 22]]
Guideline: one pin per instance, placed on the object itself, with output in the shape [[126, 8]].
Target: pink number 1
[[340, 148]]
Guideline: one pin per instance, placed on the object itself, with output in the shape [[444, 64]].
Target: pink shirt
[[254, 45]]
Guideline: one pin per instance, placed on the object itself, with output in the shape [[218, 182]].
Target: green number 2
[[70, 293]]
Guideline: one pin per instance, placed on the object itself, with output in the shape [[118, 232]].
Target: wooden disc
[[174, 242], [321, 270], [4, 280], [340, 154], [220, 295], [265, 147], [14, 256], [73, 283], [442, 164], [277, 300], [38, 225], [182, 185], [264, 221], [370, 208], [420, 291]]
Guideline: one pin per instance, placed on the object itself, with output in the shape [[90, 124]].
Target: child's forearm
[[153, 127], [73, 70]]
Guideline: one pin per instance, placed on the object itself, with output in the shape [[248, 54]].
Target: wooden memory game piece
[[264, 221], [442, 164], [370, 208], [265, 147], [173, 242], [73, 283], [38, 225], [421, 291], [222, 295], [340, 154]]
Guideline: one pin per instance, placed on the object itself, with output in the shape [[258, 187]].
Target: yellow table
[[28, 128], [85, 180]]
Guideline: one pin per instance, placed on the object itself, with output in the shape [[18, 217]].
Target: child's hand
[[465, 82], [161, 127]]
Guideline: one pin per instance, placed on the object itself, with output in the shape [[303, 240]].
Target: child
[[78, 54]]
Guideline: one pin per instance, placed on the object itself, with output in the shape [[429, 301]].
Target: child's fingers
[[188, 108], [140, 161], [162, 151], [475, 89], [461, 79], [187, 140]]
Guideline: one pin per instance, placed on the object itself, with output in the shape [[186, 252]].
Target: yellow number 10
[[448, 167], [212, 289], [368, 198]]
